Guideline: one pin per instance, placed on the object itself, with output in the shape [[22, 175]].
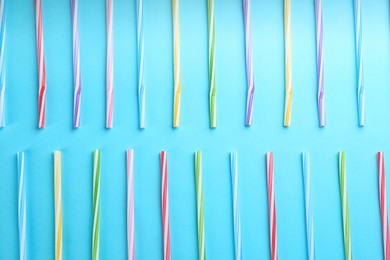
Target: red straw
[[165, 205], [383, 205], [271, 206]]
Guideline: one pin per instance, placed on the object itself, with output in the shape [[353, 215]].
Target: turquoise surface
[[266, 134]]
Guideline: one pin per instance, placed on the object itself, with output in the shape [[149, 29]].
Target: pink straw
[[110, 66]]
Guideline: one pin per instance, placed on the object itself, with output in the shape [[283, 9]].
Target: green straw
[[199, 201], [344, 202], [213, 90], [96, 205]]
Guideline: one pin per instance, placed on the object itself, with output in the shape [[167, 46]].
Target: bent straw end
[[76, 110], [213, 114], [41, 120], [287, 109], [249, 107], [321, 110], [2, 118], [141, 103], [176, 107], [213, 107], [361, 108], [109, 110]]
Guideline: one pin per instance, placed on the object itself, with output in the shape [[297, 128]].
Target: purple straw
[[76, 65], [249, 63]]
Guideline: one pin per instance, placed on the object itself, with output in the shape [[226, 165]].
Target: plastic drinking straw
[[344, 200], [58, 204], [96, 205], [41, 65], [272, 207], [110, 64], [130, 204], [140, 46], [359, 62], [383, 205], [165, 205], [287, 52], [213, 88], [76, 65], [320, 64], [249, 62], [199, 202], [22, 207], [309, 213], [2, 62], [236, 207], [176, 62]]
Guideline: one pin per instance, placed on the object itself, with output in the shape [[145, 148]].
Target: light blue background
[[266, 134]]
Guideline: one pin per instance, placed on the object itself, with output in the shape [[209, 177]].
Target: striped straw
[[2, 63], [140, 45], [359, 61], [236, 207], [130, 204], [249, 63], [213, 88], [165, 205], [76, 65], [96, 205], [110, 65], [320, 65], [41, 65], [22, 207], [287, 53], [272, 207], [383, 206], [344, 200], [176, 62], [199, 202], [309, 213], [58, 204]]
